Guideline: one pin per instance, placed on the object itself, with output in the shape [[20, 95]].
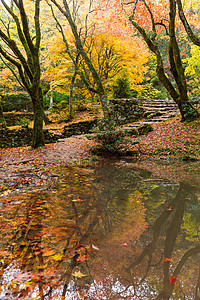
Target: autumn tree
[[111, 58], [178, 92], [21, 48], [70, 15]]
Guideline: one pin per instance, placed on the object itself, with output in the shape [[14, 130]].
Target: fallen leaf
[[77, 200], [78, 274], [58, 256], [166, 259], [95, 248], [81, 258], [172, 279], [49, 253]]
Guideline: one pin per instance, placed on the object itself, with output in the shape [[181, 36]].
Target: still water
[[111, 231]]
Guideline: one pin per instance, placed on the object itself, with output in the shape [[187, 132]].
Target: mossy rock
[[144, 129], [78, 128]]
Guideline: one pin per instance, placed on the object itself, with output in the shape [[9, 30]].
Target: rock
[[82, 127], [144, 129]]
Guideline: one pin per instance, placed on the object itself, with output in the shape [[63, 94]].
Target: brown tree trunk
[[38, 136], [1, 111], [2, 119]]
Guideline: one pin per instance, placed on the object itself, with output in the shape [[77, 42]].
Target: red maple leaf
[[81, 258], [172, 279]]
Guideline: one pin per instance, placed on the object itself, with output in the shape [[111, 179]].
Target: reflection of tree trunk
[[84, 238], [149, 249], [177, 207], [197, 292], [171, 236]]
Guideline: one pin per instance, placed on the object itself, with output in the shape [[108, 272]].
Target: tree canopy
[[86, 46]]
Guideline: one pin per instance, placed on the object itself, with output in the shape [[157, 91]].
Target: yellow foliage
[[110, 56]]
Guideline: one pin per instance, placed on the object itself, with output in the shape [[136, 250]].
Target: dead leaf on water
[[78, 274]]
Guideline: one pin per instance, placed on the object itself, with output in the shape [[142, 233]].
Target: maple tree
[[112, 58], [178, 94], [149, 19], [79, 42], [21, 49]]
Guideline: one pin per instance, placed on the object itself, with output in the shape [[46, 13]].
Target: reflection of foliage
[[92, 225], [192, 228], [173, 214]]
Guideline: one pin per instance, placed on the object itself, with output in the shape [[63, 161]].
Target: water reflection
[[111, 232]]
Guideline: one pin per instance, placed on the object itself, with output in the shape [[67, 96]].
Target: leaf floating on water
[[78, 274], [172, 279], [166, 259], [95, 248], [58, 256], [81, 258], [48, 252], [22, 277], [169, 207], [77, 200]]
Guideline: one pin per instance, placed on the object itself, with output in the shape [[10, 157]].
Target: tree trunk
[[71, 92], [81, 51], [1, 111], [51, 100], [38, 136], [2, 119], [187, 111]]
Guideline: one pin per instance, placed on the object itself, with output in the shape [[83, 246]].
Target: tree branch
[[188, 29]]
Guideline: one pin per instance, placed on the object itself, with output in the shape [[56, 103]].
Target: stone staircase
[[154, 111], [158, 110]]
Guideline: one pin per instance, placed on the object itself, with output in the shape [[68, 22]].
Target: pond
[[109, 231]]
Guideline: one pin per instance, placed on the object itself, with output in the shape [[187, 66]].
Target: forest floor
[[23, 168]]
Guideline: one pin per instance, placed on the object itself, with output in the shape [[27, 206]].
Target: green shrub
[[144, 129], [111, 140], [17, 102], [121, 88]]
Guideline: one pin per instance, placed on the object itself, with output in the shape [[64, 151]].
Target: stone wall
[[22, 137], [82, 127], [126, 110], [14, 118]]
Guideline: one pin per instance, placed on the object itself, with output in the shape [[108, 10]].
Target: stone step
[[155, 100], [146, 107], [158, 105]]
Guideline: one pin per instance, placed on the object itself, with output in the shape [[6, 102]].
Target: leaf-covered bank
[[172, 139]]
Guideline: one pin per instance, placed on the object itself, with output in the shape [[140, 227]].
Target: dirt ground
[[24, 168]]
